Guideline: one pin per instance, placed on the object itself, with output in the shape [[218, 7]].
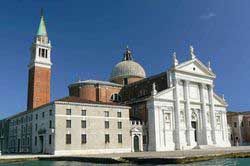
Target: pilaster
[[177, 115], [203, 113], [211, 98], [188, 114]]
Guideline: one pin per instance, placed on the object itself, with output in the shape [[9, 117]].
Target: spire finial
[[175, 59], [41, 12], [154, 91], [191, 48], [209, 66]]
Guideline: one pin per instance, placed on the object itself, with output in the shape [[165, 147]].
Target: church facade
[[173, 110]]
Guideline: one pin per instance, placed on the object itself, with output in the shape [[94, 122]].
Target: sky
[[89, 37]]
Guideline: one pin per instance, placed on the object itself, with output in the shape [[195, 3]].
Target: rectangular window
[[35, 141], [119, 125], [106, 138], [84, 124], [43, 50], [68, 111], [119, 138], [43, 114], [36, 116], [119, 114], [84, 112], [106, 113], [106, 124], [68, 123], [235, 124], [50, 139], [46, 53], [50, 124], [50, 112], [68, 138], [84, 138], [242, 124]]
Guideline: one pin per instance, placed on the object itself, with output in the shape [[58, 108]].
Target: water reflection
[[217, 162]]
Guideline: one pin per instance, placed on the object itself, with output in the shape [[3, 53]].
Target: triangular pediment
[[196, 67], [136, 129]]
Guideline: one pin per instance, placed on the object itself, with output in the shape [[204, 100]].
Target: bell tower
[[39, 68]]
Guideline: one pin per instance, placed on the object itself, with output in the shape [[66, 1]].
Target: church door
[[136, 143], [194, 126]]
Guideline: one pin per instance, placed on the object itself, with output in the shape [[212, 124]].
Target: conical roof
[[42, 27]]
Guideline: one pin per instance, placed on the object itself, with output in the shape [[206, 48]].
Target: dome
[[127, 68]]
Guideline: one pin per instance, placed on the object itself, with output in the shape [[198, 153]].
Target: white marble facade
[[188, 114]]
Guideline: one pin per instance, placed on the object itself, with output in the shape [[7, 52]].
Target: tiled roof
[[65, 99], [74, 99], [142, 89], [239, 113], [96, 82]]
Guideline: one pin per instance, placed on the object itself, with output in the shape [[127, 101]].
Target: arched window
[[116, 97]]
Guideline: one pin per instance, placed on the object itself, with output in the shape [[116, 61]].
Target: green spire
[[42, 27]]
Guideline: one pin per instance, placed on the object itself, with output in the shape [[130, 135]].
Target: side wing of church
[[176, 109]]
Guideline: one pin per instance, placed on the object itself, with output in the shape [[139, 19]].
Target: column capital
[[177, 81], [211, 86], [186, 82]]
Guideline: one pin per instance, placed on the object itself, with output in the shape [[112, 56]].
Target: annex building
[[173, 110]]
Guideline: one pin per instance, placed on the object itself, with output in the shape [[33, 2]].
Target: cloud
[[207, 16]]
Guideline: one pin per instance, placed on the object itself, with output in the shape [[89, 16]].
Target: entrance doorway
[[136, 143], [41, 143], [194, 126]]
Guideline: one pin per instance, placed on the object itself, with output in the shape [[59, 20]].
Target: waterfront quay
[[166, 157]]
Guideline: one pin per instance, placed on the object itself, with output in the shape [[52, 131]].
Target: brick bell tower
[[39, 68]]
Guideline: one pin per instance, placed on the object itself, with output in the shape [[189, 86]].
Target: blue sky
[[89, 37]]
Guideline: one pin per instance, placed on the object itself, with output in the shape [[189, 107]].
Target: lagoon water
[[217, 162]]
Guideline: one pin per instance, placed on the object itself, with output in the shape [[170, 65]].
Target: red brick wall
[[38, 87], [94, 92]]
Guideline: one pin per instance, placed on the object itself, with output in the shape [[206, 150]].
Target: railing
[[137, 122]]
